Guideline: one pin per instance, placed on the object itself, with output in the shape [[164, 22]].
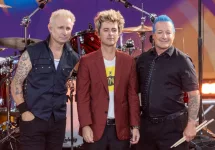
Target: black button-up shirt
[[163, 80]]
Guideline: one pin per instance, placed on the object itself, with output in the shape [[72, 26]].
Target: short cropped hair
[[62, 12], [109, 15]]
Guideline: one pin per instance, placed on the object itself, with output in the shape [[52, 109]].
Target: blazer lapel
[[117, 71], [101, 70]]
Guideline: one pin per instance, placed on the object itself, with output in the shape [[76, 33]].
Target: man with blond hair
[[107, 100], [42, 70]]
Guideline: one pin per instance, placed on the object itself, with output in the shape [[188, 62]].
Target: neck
[[108, 52], [54, 46], [160, 50]]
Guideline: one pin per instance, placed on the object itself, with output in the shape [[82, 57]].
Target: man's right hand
[[87, 134], [27, 116]]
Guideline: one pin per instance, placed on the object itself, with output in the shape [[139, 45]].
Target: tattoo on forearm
[[22, 71], [193, 104]]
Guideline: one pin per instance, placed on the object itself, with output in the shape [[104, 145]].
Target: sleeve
[[134, 103], [83, 94], [188, 76]]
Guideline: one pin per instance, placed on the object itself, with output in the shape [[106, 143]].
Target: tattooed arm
[[24, 67], [193, 105], [193, 109]]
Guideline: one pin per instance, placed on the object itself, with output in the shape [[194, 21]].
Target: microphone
[[43, 3], [153, 17]]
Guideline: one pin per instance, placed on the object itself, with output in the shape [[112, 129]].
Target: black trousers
[[162, 136], [109, 141], [39, 134]]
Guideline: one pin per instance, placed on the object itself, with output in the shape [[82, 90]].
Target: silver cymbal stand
[[27, 20], [150, 15], [142, 34]]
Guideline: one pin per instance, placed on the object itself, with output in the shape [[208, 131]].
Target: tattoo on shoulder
[[24, 56], [193, 104]]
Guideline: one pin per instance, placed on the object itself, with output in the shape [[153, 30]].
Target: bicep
[[24, 67], [192, 94], [188, 76]]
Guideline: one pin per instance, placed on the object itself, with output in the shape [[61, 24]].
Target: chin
[[164, 46]]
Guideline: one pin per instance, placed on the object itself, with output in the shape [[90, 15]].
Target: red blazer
[[93, 95]]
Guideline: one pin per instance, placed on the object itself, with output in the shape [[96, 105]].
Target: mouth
[[164, 41]]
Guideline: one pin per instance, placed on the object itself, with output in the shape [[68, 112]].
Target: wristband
[[22, 107]]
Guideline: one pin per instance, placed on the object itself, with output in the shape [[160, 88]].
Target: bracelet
[[135, 127], [22, 107]]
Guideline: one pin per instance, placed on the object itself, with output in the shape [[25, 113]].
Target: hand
[[70, 85], [87, 134], [190, 131], [27, 116], [135, 136]]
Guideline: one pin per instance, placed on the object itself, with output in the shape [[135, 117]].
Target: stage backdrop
[[183, 12]]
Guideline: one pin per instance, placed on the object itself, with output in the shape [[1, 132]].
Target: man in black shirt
[[164, 74], [45, 67]]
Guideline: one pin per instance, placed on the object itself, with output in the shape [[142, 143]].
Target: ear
[[97, 33], [153, 36], [49, 27]]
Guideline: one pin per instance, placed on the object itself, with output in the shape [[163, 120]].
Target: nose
[[64, 32], [164, 35], [111, 32]]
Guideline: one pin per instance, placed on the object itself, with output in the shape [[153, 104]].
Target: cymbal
[[16, 42], [137, 29], [2, 49], [4, 6]]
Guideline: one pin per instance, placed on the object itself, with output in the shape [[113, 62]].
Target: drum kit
[[83, 42]]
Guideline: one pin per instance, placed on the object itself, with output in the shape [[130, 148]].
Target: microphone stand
[[72, 78], [150, 15], [128, 4], [71, 106], [27, 20]]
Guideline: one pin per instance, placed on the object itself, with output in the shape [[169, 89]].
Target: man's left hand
[[135, 136], [190, 131]]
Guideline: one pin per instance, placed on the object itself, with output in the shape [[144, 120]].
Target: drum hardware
[[72, 140], [142, 29], [9, 124], [128, 4], [130, 46], [27, 20], [6, 70], [85, 42]]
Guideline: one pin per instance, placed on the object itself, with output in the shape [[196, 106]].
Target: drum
[[130, 49], [85, 42], [78, 140], [6, 67]]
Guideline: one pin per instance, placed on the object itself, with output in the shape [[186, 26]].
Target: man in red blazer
[[107, 100]]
